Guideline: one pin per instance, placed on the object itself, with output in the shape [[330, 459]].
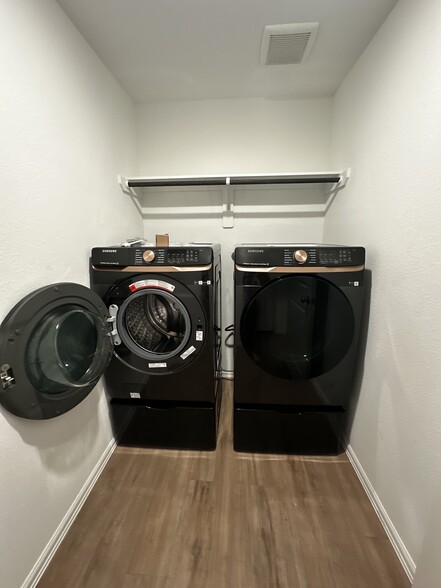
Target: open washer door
[[54, 346]]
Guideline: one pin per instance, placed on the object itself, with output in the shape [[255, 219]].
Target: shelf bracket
[[345, 175], [126, 189], [227, 205], [124, 183]]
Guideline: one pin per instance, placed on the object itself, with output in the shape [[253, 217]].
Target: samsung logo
[[108, 250], [255, 250]]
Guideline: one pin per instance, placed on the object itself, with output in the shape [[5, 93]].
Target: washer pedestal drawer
[[165, 424], [288, 430]]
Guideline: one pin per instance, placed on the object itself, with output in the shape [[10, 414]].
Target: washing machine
[[298, 311], [163, 383], [150, 323]]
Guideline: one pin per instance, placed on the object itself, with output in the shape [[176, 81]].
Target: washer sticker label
[[135, 395], [188, 352], [151, 284], [157, 365], [199, 335]]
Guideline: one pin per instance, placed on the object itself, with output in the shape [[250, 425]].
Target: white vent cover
[[287, 43]]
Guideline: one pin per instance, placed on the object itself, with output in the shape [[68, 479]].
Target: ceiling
[[206, 49]]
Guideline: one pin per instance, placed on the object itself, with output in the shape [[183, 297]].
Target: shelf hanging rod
[[331, 178]]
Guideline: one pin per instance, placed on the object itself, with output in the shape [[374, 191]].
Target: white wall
[[67, 130], [234, 137], [387, 128]]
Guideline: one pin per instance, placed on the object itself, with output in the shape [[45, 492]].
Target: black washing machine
[[150, 323], [163, 381], [298, 311]]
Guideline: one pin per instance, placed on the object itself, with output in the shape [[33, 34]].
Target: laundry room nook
[[219, 305]]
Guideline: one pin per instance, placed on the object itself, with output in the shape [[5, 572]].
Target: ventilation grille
[[287, 44]]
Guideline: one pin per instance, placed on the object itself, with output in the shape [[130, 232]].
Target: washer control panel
[[299, 255], [151, 256]]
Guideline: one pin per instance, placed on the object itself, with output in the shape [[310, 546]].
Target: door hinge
[[7, 377]]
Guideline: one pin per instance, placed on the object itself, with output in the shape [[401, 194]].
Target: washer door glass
[[69, 348], [298, 327], [154, 324]]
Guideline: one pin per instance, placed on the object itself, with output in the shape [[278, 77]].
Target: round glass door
[[154, 324], [68, 348], [298, 327], [54, 346]]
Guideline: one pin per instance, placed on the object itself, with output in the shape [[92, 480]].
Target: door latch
[[7, 377], [113, 312]]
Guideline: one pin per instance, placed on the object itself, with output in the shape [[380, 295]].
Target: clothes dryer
[[298, 310]]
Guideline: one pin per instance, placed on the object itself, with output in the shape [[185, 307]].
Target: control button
[[148, 255], [300, 256]]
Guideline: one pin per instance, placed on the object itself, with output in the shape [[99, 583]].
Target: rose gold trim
[[153, 269], [302, 270]]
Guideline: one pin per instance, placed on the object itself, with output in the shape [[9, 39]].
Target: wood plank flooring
[[172, 519]]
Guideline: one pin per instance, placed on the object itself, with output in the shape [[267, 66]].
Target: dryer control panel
[[152, 256], [293, 255]]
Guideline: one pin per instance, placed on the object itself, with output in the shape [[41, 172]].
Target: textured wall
[[66, 131], [387, 127], [234, 137]]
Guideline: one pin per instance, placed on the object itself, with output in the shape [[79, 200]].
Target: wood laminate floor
[[173, 519]]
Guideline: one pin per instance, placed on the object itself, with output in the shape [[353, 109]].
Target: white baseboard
[[50, 549], [400, 549]]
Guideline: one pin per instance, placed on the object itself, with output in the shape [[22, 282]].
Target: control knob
[[148, 255], [300, 256]]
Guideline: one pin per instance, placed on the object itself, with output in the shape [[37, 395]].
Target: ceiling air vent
[[287, 43]]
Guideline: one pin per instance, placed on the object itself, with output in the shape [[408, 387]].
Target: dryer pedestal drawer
[[165, 425], [284, 430]]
